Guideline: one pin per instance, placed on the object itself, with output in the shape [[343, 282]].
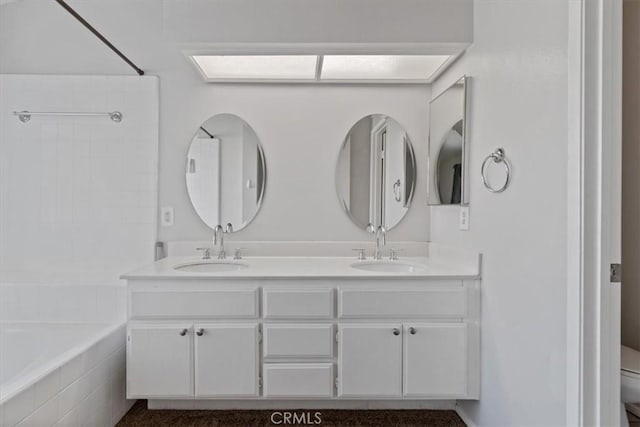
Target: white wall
[[300, 127], [519, 87], [631, 176], [446, 22]]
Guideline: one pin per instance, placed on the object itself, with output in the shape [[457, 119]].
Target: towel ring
[[497, 156]]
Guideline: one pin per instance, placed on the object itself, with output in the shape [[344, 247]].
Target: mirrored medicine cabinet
[[449, 146]]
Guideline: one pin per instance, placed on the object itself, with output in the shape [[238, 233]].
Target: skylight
[[381, 67], [257, 67], [320, 68]]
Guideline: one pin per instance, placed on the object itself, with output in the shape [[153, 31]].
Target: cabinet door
[[435, 359], [226, 359], [159, 361], [370, 360]]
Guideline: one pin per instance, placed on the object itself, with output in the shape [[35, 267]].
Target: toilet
[[630, 379]]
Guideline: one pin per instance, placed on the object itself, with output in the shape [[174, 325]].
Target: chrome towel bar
[[25, 116]]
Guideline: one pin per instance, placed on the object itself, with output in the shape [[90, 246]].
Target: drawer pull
[[200, 332], [412, 330], [183, 332], [396, 331]]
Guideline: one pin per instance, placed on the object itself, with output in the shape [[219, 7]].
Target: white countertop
[[309, 268]]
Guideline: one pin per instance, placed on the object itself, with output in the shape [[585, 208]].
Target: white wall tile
[[70, 419], [70, 397], [95, 398], [73, 370], [46, 415], [18, 408], [46, 388], [71, 178]]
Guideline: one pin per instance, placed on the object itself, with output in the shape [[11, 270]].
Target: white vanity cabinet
[[412, 360], [160, 360], [435, 359], [370, 360], [226, 360], [201, 360], [386, 339]]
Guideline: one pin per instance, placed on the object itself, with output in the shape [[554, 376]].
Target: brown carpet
[[140, 416]]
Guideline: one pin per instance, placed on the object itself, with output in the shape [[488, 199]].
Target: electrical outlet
[[464, 218], [166, 216]]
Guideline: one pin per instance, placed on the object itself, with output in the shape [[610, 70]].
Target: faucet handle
[[370, 228], [206, 252], [229, 228], [393, 254], [362, 255], [238, 253]]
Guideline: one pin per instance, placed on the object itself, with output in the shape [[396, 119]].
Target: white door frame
[[593, 199]]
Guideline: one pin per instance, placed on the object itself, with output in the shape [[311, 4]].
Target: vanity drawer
[[231, 303], [449, 302], [298, 380], [298, 304], [299, 341]]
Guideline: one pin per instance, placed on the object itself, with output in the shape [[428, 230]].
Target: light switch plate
[[464, 218], [166, 216]]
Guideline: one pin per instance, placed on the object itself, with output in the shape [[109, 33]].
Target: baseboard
[[462, 414], [300, 404]]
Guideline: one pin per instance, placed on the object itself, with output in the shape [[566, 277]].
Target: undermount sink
[[388, 267], [210, 266]]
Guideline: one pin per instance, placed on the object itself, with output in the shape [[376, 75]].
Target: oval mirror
[[376, 172], [226, 172]]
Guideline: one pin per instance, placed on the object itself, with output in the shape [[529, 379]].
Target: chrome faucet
[[218, 239], [381, 235]]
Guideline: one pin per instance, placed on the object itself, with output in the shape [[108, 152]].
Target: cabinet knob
[[200, 332], [184, 332], [396, 331], [412, 330]]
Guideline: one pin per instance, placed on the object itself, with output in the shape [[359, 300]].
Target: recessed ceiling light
[[257, 67], [381, 67]]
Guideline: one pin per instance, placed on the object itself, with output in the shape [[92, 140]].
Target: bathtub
[[62, 373]]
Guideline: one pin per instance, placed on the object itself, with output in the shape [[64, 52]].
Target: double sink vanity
[[326, 327], [313, 328]]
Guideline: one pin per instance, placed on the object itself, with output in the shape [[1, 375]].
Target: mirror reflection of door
[[449, 167], [377, 184], [389, 175], [203, 175]]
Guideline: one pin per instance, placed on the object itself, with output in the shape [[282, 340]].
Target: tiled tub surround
[[74, 377], [83, 190]]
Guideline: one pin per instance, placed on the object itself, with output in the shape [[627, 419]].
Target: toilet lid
[[630, 360]]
